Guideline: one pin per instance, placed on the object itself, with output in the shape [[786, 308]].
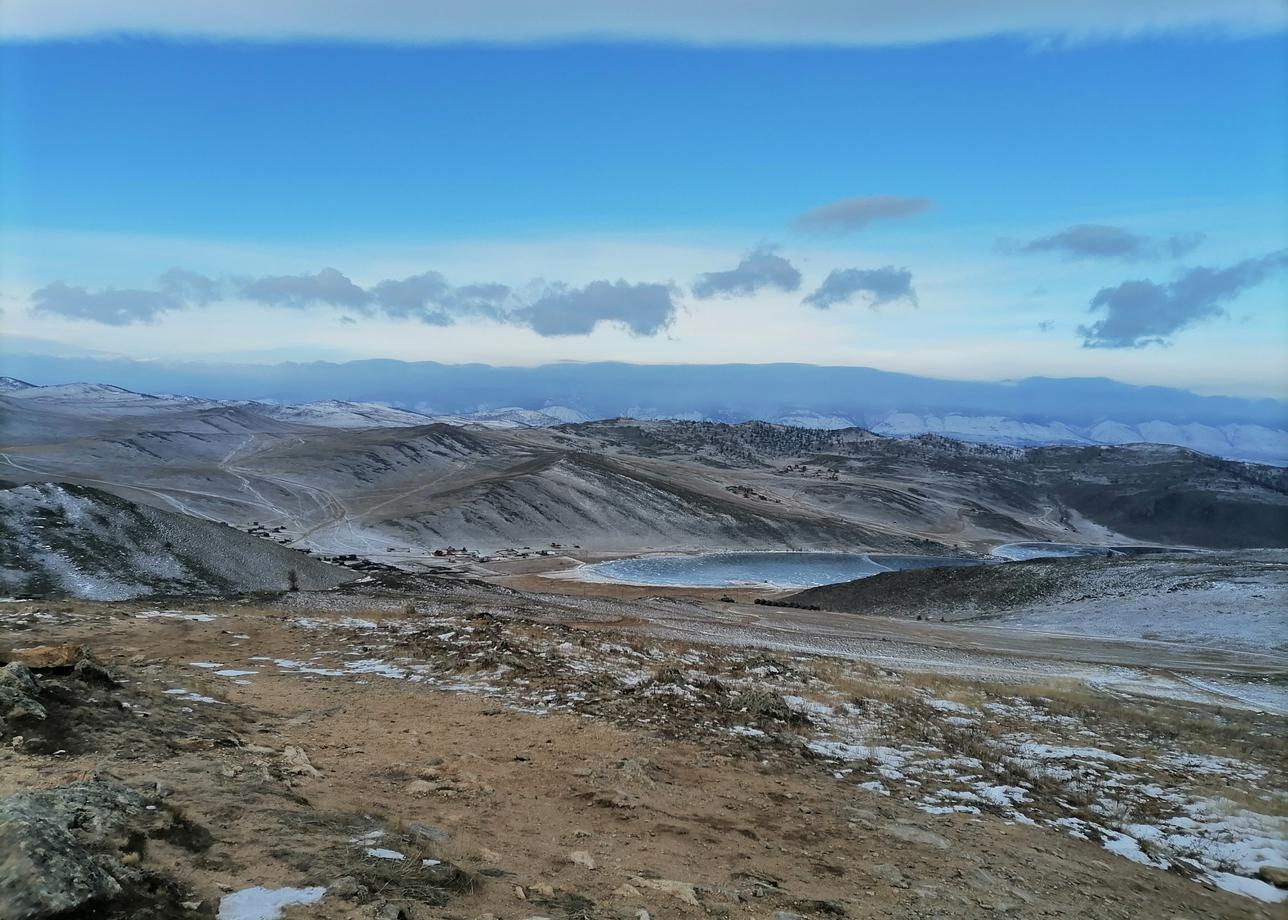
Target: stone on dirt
[[683, 890], [429, 832], [19, 696], [66, 848], [44, 871], [39, 657]]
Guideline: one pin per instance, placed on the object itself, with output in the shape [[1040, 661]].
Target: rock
[[40, 657], [682, 890], [520, 893], [420, 788], [429, 832], [44, 871], [627, 891], [19, 695], [581, 858], [543, 890], [786, 915], [890, 874], [393, 910], [642, 914], [909, 833], [1274, 875], [347, 887], [90, 671], [69, 846], [297, 762], [613, 798]]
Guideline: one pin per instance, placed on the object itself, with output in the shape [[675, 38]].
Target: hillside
[[626, 485], [1212, 599], [75, 541]]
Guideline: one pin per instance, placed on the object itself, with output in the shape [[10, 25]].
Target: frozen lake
[[779, 570]]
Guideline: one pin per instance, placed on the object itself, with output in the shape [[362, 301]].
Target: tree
[[292, 580]]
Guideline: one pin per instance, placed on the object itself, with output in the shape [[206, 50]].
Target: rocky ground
[[454, 750]]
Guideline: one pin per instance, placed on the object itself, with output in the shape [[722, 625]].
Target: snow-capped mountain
[[1241, 441]]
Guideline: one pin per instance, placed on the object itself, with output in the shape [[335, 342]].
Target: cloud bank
[[876, 285], [110, 306], [1102, 241], [820, 22], [761, 268], [852, 214], [644, 309], [553, 310], [1140, 313]]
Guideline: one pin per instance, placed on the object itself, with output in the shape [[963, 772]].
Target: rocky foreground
[[458, 754]]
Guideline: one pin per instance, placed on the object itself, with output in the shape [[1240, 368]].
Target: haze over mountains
[[1032, 411]]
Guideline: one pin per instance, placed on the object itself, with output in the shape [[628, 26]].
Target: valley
[[404, 648]]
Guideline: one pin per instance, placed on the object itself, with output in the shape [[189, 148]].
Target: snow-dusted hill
[[514, 417], [97, 400], [335, 413], [75, 541], [1239, 442]]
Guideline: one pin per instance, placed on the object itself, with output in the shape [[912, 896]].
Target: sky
[[984, 191]]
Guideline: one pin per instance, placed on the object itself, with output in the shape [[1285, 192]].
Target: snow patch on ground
[[265, 903]]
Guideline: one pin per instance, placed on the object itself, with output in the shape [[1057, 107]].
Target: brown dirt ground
[[520, 792]]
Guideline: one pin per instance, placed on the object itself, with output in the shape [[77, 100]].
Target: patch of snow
[[1249, 887], [174, 615], [190, 696], [1060, 752], [265, 903], [382, 853]]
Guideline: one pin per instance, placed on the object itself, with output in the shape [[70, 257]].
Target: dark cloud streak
[[761, 268], [1103, 241], [877, 285], [849, 215], [1141, 312]]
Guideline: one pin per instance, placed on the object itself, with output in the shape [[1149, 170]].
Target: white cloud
[[753, 22]]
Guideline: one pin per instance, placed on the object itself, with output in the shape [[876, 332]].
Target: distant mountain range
[[385, 393]]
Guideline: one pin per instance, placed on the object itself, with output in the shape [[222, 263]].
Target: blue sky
[[550, 166]]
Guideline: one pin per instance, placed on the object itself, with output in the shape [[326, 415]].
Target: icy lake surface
[[785, 570]]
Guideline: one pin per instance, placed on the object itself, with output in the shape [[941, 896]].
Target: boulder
[[68, 847], [42, 657], [44, 871], [19, 696]]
